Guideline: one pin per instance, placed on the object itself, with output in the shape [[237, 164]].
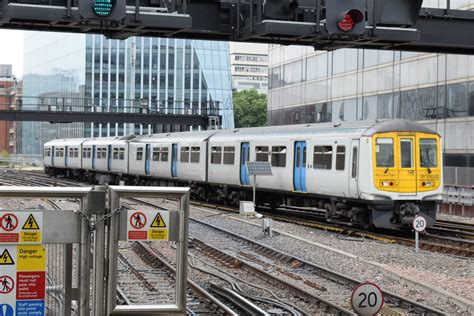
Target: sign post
[[419, 224], [367, 299]]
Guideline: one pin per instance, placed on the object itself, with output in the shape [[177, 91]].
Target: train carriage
[[107, 155], [363, 173], [63, 153]]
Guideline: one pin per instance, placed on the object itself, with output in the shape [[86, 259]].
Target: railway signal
[[102, 10], [346, 17]]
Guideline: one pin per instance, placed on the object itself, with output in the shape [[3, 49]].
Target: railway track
[[329, 286]]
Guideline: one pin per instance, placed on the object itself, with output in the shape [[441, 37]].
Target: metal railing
[[112, 105]]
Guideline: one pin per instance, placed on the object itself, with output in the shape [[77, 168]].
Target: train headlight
[[429, 184], [387, 183]]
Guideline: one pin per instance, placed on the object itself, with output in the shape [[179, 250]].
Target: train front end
[[407, 178]]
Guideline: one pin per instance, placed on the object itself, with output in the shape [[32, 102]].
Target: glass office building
[[168, 74]]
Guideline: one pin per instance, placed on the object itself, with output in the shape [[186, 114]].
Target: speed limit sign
[[419, 223], [367, 299]]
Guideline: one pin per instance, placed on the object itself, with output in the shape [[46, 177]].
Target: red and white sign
[[30, 285], [148, 225], [367, 299], [9, 222], [6, 284], [21, 227], [419, 223]]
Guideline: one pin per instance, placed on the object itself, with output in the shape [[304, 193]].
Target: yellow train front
[[403, 168]]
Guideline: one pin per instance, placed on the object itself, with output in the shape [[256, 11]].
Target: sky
[[11, 50]]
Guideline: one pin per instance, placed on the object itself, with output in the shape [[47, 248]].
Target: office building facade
[[249, 66], [167, 74]]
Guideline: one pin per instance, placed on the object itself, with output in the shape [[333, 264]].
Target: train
[[370, 174]]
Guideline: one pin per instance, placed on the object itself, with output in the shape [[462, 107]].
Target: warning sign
[[157, 229], [158, 221], [6, 258], [31, 223], [6, 284], [21, 227], [23, 280]]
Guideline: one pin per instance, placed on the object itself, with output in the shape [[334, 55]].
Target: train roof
[[109, 140], [175, 137], [66, 142], [346, 129]]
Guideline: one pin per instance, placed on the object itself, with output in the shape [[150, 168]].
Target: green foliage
[[4, 154], [250, 108]]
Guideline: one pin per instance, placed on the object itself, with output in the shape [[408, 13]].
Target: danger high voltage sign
[[21, 227]]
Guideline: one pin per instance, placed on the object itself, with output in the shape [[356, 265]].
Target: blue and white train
[[364, 173]]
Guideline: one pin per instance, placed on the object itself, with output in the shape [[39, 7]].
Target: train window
[[164, 153], [406, 153], [87, 152], [101, 152], [115, 154], [216, 155], [428, 153], [384, 152], [278, 156], [184, 154], [140, 153], [156, 154], [322, 158], [340, 157], [195, 151], [229, 155], [121, 153], [71, 152], [354, 162], [47, 152], [262, 153]]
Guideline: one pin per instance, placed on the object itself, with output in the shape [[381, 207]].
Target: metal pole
[[67, 268], [254, 192], [99, 253], [85, 262], [417, 243], [182, 253], [112, 252]]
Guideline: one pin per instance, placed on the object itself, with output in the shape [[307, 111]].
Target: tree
[[250, 108]]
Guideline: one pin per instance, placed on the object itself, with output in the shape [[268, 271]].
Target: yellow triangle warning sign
[[158, 221], [6, 258], [30, 223]]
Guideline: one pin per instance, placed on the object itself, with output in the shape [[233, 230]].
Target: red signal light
[[349, 19]]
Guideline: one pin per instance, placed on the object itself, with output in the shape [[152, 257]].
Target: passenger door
[[93, 157], [174, 160], [109, 157], [244, 157], [53, 154], [147, 159], [299, 166], [354, 168], [407, 169]]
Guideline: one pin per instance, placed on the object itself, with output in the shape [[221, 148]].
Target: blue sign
[[6, 310], [30, 308]]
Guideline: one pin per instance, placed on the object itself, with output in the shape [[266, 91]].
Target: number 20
[[420, 223], [371, 299]]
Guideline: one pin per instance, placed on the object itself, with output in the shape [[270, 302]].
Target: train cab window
[[195, 151], [322, 158], [47, 152], [262, 153], [384, 152], [216, 155], [406, 153], [340, 157], [184, 154], [278, 156], [229, 155], [140, 153], [428, 153], [164, 153], [156, 154]]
